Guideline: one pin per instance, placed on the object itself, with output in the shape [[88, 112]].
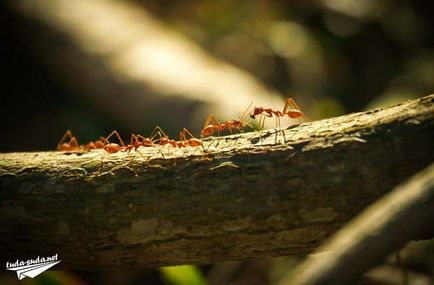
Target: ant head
[[256, 111]]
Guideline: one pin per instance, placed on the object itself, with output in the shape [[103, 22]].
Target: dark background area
[[376, 57]]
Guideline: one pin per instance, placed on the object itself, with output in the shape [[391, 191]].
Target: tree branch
[[249, 195], [401, 216]]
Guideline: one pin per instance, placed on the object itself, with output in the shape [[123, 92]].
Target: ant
[[212, 125], [192, 141], [96, 144], [114, 147], [70, 145], [140, 140], [136, 141], [291, 109], [183, 141]]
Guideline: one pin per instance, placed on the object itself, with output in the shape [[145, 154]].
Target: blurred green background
[[332, 56]]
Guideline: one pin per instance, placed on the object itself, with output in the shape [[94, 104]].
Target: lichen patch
[[139, 232]]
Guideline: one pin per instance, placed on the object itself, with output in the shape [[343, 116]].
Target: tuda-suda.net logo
[[32, 267]]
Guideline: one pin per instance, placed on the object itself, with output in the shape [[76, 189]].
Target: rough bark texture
[[403, 215], [256, 194]]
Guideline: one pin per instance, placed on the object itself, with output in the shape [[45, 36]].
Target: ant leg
[[74, 143], [246, 124], [210, 144], [162, 154], [277, 128], [156, 134], [237, 130], [134, 138], [182, 137], [246, 112], [152, 139], [72, 140], [158, 130], [296, 107], [132, 158], [216, 139], [102, 162], [287, 103], [210, 120], [276, 131], [290, 103], [261, 123], [284, 137], [117, 135], [187, 132], [192, 137], [293, 104], [67, 134]]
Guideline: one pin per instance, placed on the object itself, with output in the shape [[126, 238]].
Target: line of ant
[[186, 139], [291, 109], [158, 137]]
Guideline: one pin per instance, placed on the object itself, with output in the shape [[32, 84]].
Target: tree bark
[[268, 193], [403, 215]]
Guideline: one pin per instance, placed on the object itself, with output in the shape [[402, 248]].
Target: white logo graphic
[[32, 267]]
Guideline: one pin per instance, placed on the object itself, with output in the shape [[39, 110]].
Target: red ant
[[183, 141], [96, 144], [71, 145], [293, 112], [192, 141], [212, 125], [114, 147], [136, 141]]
